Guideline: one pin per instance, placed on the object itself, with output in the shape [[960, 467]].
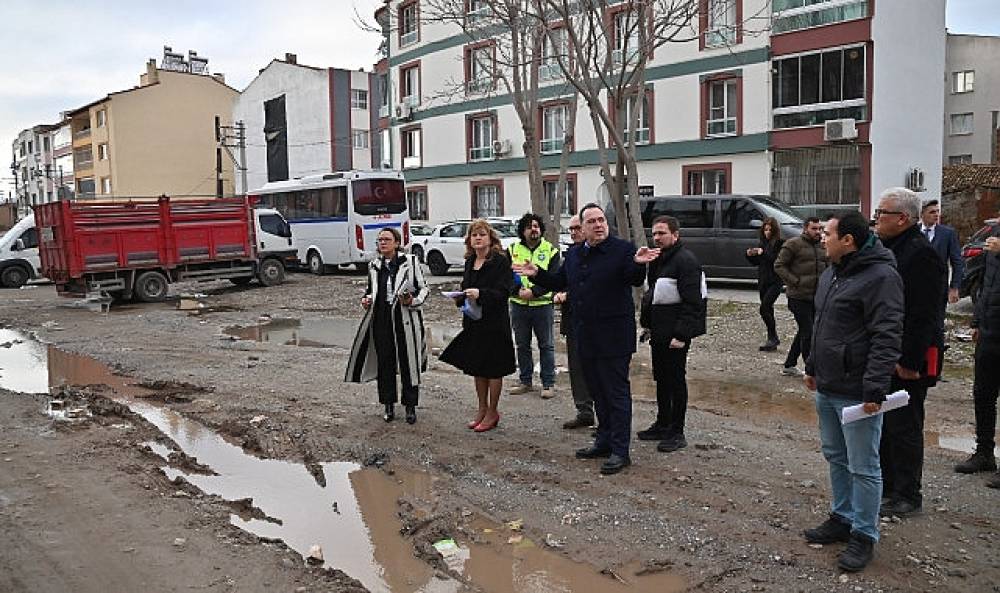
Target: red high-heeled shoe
[[482, 427], [472, 425]]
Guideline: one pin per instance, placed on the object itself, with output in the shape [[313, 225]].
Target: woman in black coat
[[768, 282], [484, 348]]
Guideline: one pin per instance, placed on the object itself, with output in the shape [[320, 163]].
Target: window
[[416, 200], [552, 50], [960, 159], [690, 213], [102, 118], [105, 185], [722, 108], [722, 22], [102, 152], [963, 82], [487, 199], [737, 214], [812, 88], [815, 181], [409, 23], [30, 147], [961, 123], [791, 15], [554, 121], [479, 68], [85, 185], [476, 11], [359, 139], [45, 144], [409, 84], [30, 238], [453, 231], [642, 124], [481, 135], [359, 99], [707, 178], [626, 36], [411, 145], [566, 206], [386, 146], [273, 224]]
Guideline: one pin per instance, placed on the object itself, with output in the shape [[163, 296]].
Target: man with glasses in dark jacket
[[856, 338], [924, 278]]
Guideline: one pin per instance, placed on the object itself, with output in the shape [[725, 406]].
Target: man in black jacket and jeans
[[856, 337], [924, 278], [673, 312]]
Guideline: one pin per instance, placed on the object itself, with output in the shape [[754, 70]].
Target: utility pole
[[235, 136], [218, 157]]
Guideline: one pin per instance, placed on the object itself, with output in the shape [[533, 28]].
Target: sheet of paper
[[451, 294], [892, 401], [665, 292]]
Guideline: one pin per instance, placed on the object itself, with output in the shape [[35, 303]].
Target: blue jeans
[[539, 319], [855, 473]]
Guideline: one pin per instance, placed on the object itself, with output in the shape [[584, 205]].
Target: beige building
[[157, 138]]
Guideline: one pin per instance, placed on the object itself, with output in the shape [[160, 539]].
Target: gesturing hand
[[366, 301], [646, 254], [472, 293], [526, 269], [526, 294]]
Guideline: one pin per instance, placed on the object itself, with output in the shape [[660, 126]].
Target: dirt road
[[235, 456]]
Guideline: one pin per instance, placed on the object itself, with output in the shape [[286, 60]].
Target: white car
[[19, 261], [445, 246]]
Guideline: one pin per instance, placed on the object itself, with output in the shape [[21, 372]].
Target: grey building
[[972, 99]]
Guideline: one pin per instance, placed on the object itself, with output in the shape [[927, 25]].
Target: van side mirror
[[18, 245], [756, 224]]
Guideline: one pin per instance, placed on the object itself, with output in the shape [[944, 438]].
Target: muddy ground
[[85, 506]]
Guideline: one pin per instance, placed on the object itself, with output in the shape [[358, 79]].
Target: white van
[[19, 260]]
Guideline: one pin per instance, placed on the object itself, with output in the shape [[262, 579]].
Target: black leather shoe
[[857, 554], [830, 531], [770, 345], [672, 444], [411, 414], [592, 453], [981, 461], [654, 433], [390, 412], [578, 422], [615, 464], [899, 508]]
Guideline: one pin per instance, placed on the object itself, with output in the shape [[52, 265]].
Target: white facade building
[[735, 110], [303, 120], [42, 166]]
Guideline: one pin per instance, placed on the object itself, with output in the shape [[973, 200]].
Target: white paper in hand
[[452, 294], [892, 401], [665, 292]]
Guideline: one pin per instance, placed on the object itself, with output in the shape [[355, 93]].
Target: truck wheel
[[316, 265], [437, 263], [151, 287], [271, 272], [241, 281], [14, 277]]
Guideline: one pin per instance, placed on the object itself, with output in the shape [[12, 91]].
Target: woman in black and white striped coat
[[390, 344]]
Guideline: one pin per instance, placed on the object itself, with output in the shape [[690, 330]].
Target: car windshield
[[781, 212], [504, 229]]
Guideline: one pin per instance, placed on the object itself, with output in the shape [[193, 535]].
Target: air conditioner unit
[[915, 179], [500, 148], [836, 130], [404, 112]]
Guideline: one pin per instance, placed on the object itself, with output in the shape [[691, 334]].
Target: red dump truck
[[136, 249]]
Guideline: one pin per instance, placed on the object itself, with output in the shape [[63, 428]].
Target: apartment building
[[972, 100], [42, 166], [157, 138], [821, 104], [302, 120]]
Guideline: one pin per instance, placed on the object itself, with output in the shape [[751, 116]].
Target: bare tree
[[609, 46], [509, 59]]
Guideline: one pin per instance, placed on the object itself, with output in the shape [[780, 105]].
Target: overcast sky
[[62, 54]]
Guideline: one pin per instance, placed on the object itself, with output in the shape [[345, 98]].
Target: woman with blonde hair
[[484, 348], [390, 343]]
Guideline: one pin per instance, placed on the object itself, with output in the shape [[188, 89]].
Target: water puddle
[[350, 512], [323, 332]]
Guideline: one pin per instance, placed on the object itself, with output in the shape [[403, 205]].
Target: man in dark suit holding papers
[[673, 313]]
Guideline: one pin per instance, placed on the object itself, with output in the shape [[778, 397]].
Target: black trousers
[[768, 295], [578, 385], [670, 373], [388, 357], [985, 391], [608, 383], [803, 311], [901, 452]]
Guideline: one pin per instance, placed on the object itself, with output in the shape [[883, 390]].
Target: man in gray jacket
[[856, 344]]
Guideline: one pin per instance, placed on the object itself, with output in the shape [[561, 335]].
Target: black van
[[718, 228]]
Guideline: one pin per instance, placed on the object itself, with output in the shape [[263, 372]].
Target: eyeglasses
[[880, 212]]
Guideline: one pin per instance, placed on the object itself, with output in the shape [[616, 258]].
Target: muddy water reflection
[[323, 332]]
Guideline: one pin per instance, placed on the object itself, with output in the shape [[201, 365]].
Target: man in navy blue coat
[[944, 240], [598, 276]]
